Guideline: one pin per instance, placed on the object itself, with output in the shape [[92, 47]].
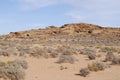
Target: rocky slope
[[70, 52], [82, 33]]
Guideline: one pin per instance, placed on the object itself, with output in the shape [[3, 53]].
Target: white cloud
[[75, 17], [104, 12], [84, 10]]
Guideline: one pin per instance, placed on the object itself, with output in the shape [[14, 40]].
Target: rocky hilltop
[[70, 52], [72, 33]]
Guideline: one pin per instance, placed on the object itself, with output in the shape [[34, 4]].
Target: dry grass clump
[[116, 61], [87, 51], [54, 54], [4, 53], [12, 73], [2, 63], [67, 52], [21, 63], [66, 59], [97, 66], [84, 72], [13, 70], [48, 49], [39, 53], [109, 57], [91, 56], [108, 49], [61, 51]]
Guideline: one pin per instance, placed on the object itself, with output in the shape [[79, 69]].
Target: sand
[[48, 69]]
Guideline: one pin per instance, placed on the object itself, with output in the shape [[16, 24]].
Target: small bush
[[96, 66], [12, 71], [91, 56], [40, 53], [116, 60], [67, 52], [87, 51], [2, 63], [66, 59], [21, 63], [4, 53], [54, 54], [109, 57], [84, 72], [108, 49], [49, 50]]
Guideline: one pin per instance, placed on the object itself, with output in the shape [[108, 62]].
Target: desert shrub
[[91, 56], [67, 52], [54, 54], [40, 53], [84, 72], [2, 63], [66, 59], [21, 53], [96, 66], [12, 71], [87, 51], [108, 49], [116, 60], [60, 49], [64, 50], [21, 63], [4, 53], [109, 56], [49, 50], [11, 51]]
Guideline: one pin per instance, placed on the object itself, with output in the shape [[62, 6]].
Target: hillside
[[71, 52], [73, 33]]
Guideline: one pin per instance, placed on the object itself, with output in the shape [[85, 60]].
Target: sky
[[18, 15]]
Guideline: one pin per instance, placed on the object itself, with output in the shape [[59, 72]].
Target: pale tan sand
[[48, 69]]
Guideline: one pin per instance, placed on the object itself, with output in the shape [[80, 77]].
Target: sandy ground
[[48, 69]]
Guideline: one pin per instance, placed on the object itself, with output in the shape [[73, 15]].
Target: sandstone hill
[[81, 33], [70, 52]]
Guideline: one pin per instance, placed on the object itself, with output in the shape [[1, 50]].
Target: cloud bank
[[102, 11]]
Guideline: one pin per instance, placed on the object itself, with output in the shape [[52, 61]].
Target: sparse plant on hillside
[[91, 56], [97, 66], [13, 70], [2, 63], [48, 50], [84, 72], [40, 53], [109, 57], [108, 49], [87, 51], [66, 59], [21, 63], [67, 52], [12, 73], [4, 53], [116, 61], [54, 54]]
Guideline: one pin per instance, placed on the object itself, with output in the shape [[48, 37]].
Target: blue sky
[[18, 15]]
